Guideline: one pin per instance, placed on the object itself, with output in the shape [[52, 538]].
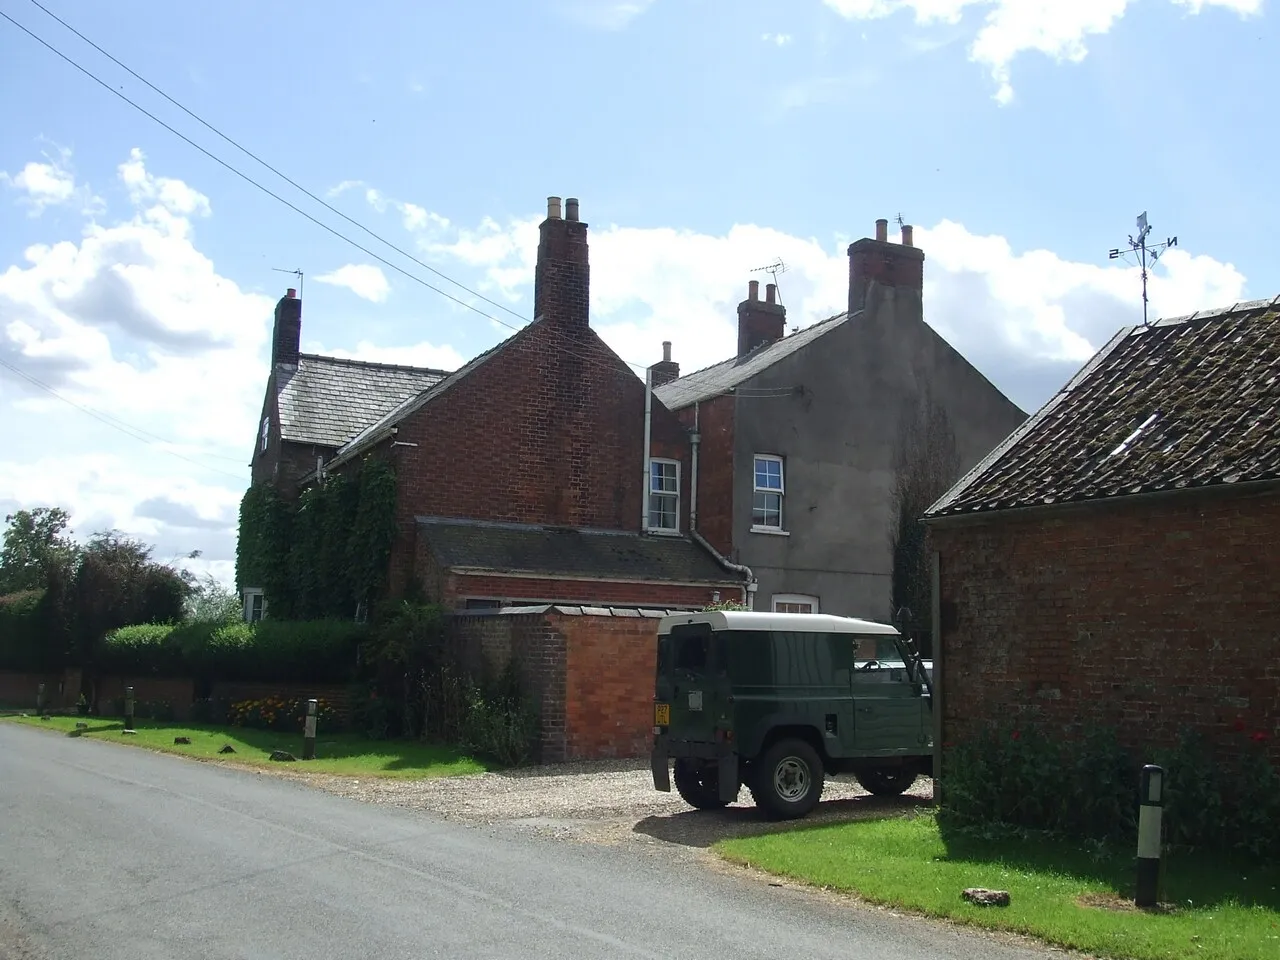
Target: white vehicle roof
[[792, 622]]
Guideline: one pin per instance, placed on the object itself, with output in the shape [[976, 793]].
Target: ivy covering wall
[[325, 553]]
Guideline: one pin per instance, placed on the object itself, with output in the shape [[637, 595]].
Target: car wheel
[[787, 780]]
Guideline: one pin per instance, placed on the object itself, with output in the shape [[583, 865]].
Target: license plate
[[662, 714]]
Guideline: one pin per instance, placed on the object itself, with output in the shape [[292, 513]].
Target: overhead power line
[[136, 432]]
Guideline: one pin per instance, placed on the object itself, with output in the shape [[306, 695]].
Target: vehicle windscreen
[[880, 648]]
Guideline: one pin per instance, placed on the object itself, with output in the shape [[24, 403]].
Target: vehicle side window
[[866, 649]]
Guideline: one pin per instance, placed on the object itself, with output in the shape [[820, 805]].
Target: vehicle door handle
[[864, 709]]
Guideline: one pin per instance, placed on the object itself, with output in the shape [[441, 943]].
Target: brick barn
[[1117, 558]]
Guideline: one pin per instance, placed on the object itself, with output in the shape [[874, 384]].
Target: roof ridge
[[350, 361], [763, 346]]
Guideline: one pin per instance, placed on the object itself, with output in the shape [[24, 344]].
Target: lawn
[[1060, 893], [344, 754]]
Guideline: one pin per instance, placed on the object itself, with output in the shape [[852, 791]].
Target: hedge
[[312, 651], [24, 646]]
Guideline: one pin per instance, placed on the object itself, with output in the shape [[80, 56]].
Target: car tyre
[[787, 780], [698, 783], [886, 781]]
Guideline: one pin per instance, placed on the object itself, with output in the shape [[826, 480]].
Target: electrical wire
[[137, 433]]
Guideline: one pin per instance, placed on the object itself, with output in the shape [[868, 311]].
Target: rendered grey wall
[[838, 439]]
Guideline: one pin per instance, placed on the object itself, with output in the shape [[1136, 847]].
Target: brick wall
[[715, 469], [176, 691], [1147, 616], [592, 592], [591, 675], [19, 690], [335, 696]]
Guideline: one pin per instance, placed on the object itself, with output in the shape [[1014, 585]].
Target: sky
[[704, 139]]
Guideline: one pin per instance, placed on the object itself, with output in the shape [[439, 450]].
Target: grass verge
[[1060, 893], [342, 754]]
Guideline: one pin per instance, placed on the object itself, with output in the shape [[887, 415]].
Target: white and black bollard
[[128, 708], [40, 700], [1150, 835], [309, 732]]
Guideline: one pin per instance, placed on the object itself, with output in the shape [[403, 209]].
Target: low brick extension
[[1149, 615], [590, 669]]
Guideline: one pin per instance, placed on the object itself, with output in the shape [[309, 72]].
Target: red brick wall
[[175, 691], [1147, 616], [336, 697], [592, 676], [609, 681], [589, 592], [548, 430], [715, 469], [19, 690]]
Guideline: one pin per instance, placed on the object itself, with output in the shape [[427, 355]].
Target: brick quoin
[[1145, 616]]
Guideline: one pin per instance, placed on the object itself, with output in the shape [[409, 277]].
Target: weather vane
[[773, 269], [1147, 255]]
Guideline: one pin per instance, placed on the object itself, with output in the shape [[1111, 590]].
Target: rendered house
[[800, 433]]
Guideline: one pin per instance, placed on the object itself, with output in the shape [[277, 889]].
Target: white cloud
[[49, 184], [1026, 318], [778, 39], [603, 14], [440, 357], [363, 279], [1056, 28], [172, 196]]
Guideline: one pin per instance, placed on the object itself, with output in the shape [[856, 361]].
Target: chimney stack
[[561, 284], [666, 369], [883, 264], [286, 336], [760, 322]]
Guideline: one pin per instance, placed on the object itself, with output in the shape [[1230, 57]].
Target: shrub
[[25, 642], [280, 713], [148, 649], [501, 722], [1013, 778]]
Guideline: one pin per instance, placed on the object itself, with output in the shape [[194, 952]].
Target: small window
[[481, 603], [265, 432], [766, 508], [794, 603], [255, 604], [664, 495]]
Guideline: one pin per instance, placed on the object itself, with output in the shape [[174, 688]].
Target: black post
[[40, 700], [128, 708], [1150, 840], [309, 732]]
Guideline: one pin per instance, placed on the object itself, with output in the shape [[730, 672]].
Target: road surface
[[111, 852]]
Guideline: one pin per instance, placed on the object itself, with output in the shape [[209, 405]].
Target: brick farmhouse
[[1117, 559]]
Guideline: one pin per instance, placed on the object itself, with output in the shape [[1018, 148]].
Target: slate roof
[[715, 380], [572, 552], [328, 400], [1193, 401]]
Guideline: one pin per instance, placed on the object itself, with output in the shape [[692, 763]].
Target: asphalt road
[[113, 852]]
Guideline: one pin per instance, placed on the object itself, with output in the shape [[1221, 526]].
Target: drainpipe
[[749, 587], [648, 421]]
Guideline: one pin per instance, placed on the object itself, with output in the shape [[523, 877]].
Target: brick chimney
[[760, 322], [666, 369], [897, 265], [562, 281], [286, 337]]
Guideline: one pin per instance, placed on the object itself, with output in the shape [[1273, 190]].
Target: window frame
[[780, 492], [673, 495], [247, 598], [795, 599], [265, 434]]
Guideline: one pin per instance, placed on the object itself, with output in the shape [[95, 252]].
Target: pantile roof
[[1193, 401]]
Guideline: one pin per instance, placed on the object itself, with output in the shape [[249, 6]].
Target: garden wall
[[18, 690], [590, 670]]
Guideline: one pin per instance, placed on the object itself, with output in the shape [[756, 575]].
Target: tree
[[211, 602], [33, 542], [925, 466]]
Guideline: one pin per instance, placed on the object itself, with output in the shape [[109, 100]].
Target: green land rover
[[777, 701]]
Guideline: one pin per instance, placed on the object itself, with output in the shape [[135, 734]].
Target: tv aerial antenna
[[901, 223], [773, 269], [1147, 255], [296, 273]]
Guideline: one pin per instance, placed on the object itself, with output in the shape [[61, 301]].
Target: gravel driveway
[[600, 801]]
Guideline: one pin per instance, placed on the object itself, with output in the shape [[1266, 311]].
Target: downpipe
[[749, 587]]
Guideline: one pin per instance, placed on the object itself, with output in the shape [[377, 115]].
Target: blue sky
[[703, 138]]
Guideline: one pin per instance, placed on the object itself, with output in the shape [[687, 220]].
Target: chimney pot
[[571, 208], [291, 292], [770, 292], [553, 208], [882, 230], [753, 290], [907, 235], [666, 351]]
